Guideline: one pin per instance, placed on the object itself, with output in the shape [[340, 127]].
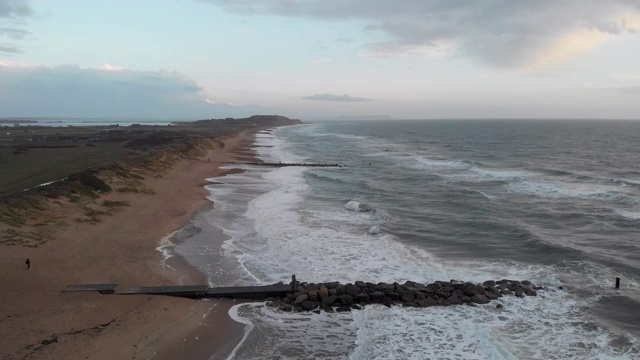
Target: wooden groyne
[[101, 288], [193, 291], [281, 164], [334, 296]]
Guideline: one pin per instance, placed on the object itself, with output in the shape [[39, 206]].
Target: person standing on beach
[[28, 262]]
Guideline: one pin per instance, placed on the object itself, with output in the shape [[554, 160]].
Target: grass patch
[[24, 238], [110, 203]]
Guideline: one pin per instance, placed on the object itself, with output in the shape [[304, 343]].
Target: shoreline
[[38, 320]]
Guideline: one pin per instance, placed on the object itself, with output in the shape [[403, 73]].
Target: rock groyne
[[334, 296]]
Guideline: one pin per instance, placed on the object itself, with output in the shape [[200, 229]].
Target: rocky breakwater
[[333, 296]]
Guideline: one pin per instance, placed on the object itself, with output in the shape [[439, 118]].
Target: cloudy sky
[[314, 59]]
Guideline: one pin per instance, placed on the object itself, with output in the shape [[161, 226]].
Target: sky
[[317, 59]]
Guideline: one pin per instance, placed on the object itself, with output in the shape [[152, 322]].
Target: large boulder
[[480, 299], [300, 298], [362, 298], [351, 290], [454, 300], [309, 305], [407, 296], [377, 296], [427, 302], [346, 299], [328, 301]]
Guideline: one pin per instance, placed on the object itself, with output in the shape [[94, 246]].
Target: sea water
[[553, 202]]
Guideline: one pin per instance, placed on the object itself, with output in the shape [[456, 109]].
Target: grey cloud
[[13, 33], [12, 12], [12, 9], [331, 97], [78, 92], [9, 50], [498, 32]]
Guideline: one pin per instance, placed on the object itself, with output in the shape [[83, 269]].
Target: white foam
[[495, 174], [420, 162], [166, 247], [352, 205], [629, 215], [295, 335], [233, 314], [374, 230], [554, 190]]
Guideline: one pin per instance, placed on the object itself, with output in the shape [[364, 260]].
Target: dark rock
[[313, 295], [328, 301], [465, 299], [309, 305], [356, 307], [362, 298], [360, 284], [407, 296], [459, 286], [519, 292], [343, 308], [316, 311], [442, 295], [530, 292], [393, 295], [386, 301], [286, 307], [386, 288], [333, 292], [323, 292], [457, 292], [443, 302], [410, 304], [377, 296], [419, 295], [527, 282], [506, 291], [300, 298], [454, 300], [447, 289], [332, 285], [490, 295], [351, 290], [340, 290], [346, 299], [312, 287], [368, 290], [427, 302], [499, 306], [480, 299], [329, 310], [489, 284], [471, 291]]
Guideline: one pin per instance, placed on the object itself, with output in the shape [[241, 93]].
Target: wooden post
[[617, 283], [293, 283]]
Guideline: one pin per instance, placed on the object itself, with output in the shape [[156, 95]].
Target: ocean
[[553, 202]]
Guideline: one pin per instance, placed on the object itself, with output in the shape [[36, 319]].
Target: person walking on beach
[[28, 262]]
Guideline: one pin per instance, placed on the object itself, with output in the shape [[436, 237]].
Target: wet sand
[[37, 320]]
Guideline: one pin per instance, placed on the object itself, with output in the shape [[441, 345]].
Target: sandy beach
[[37, 320]]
